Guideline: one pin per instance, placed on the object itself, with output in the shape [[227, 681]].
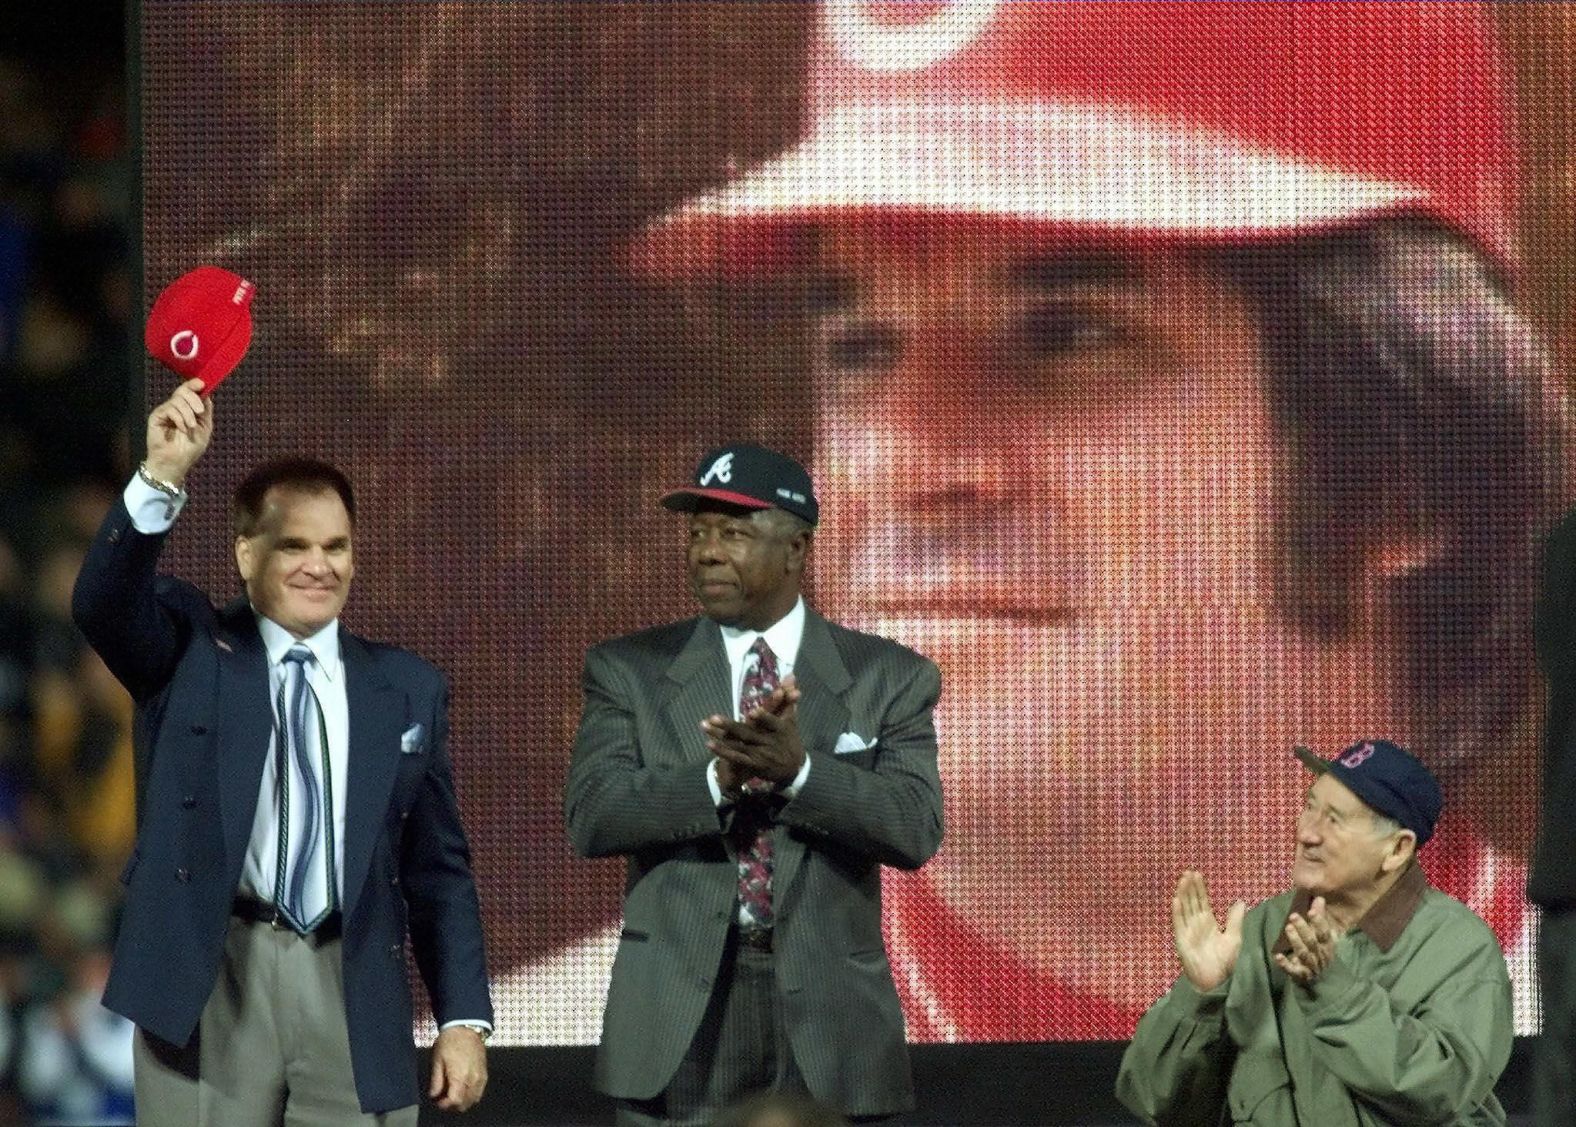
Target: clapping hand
[[1312, 940], [765, 744], [1208, 951]]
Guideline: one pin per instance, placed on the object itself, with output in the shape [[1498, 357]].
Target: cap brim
[[1084, 170], [225, 358], [1311, 760], [685, 500]]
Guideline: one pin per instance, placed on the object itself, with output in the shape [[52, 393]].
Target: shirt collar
[[324, 644], [1385, 918], [783, 636]]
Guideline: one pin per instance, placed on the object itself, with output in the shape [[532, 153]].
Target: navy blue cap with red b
[[1388, 778]]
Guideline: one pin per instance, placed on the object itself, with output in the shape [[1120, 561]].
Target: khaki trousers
[[271, 1047]]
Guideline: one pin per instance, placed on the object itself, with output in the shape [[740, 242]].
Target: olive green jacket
[[1411, 1024]]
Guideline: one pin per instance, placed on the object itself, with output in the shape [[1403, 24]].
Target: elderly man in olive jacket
[[1363, 996]]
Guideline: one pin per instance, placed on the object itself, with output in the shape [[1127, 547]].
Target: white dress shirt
[[152, 510]]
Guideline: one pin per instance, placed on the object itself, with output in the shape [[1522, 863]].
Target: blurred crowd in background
[[68, 292]]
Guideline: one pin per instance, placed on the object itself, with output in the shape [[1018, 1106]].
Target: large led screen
[[1181, 378]]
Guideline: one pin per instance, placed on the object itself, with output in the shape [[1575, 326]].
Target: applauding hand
[[764, 745], [1208, 951], [1312, 940]]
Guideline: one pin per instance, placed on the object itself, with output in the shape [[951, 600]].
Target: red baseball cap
[[201, 325], [1087, 120]]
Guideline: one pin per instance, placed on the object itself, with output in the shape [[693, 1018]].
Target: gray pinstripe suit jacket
[[637, 787]]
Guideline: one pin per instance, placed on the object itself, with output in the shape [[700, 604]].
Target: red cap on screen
[[201, 325], [1075, 119]]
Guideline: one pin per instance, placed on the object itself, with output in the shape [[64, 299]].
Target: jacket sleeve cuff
[[1330, 987], [152, 511], [1200, 1005]]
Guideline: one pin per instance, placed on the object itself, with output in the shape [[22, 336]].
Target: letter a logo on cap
[[720, 470]]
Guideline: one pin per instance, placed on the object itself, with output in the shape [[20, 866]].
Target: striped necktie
[[306, 889]]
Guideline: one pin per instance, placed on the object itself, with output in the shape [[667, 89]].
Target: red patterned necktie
[[752, 822]]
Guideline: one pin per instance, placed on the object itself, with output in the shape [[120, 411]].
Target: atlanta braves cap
[[1388, 778], [201, 325], [751, 477]]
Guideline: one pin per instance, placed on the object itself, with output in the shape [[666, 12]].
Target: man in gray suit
[[756, 765]]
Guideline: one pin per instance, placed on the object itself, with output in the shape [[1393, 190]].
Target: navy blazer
[[199, 677]]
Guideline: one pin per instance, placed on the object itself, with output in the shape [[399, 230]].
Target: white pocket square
[[850, 742], [414, 741]]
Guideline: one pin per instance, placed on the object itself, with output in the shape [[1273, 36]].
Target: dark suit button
[[189, 801], [393, 882], [396, 949], [114, 536], [199, 729], [403, 814], [183, 875]]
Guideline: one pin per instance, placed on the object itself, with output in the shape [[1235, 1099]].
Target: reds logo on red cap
[[1209, 121], [201, 325]]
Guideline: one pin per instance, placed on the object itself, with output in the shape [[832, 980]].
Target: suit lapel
[[377, 718], [245, 720], [822, 714], [698, 682], [823, 678]]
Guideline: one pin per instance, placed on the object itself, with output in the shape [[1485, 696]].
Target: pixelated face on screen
[[1060, 476], [1169, 373]]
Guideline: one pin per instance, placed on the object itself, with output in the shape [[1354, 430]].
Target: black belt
[[755, 938], [256, 912]]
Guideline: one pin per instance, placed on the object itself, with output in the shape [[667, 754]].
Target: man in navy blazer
[[296, 817]]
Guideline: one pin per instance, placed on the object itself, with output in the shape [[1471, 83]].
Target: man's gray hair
[[1383, 824]]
